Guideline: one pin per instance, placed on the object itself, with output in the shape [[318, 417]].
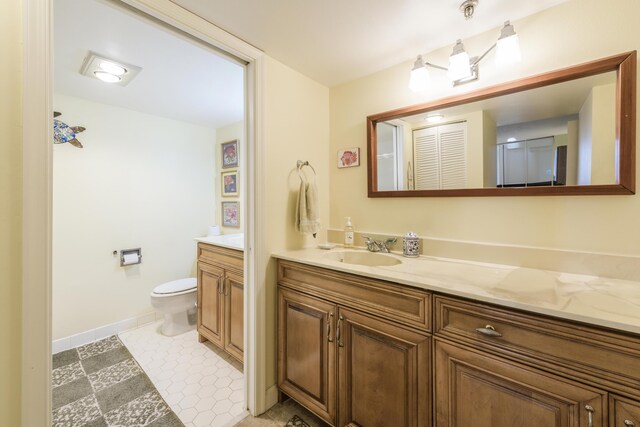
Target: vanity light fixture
[[462, 68], [108, 70]]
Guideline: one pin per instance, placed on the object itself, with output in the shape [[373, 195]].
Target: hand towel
[[307, 217]]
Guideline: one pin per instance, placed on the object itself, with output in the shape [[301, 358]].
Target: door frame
[[37, 87]]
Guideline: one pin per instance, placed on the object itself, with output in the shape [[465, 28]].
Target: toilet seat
[[176, 287]]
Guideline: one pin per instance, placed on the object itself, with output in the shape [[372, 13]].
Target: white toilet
[[177, 301]]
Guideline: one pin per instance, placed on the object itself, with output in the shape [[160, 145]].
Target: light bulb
[[419, 76], [106, 77], [112, 68], [507, 46], [459, 65]]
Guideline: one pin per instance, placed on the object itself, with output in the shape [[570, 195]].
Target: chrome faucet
[[378, 245]]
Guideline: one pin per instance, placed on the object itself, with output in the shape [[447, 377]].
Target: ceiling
[[180, 80], [336, 41]]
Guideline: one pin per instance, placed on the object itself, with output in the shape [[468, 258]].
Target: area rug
[[296, 421], [101, 385]]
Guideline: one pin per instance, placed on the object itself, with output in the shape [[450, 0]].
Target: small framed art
[[349, 157], [230, 154], [230, 183], [231, 214]]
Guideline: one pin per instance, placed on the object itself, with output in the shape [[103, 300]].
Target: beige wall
[[226, 134], [140, 181], [603, 132], [597, 223], [296, 128], [489, 152], [10, 210]]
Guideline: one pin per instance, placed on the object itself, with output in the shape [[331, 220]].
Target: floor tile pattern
[[201, 384], [288, 413], [100, 385]]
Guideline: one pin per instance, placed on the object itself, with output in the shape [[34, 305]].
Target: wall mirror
[[565, 132]]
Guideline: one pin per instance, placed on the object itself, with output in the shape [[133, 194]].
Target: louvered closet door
[[453, 155], [440, 157], [426, 159]]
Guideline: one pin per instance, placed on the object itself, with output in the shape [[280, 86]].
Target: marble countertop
[[601, 301], [231, 241]]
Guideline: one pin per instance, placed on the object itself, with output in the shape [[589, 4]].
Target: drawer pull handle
[[629, 423], [590, 410], [489, 331], [329, 327], [338, 332]]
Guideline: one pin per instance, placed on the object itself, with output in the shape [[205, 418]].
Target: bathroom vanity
[[221, 293], [365, 341]]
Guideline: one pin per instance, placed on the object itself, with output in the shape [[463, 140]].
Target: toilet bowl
[[177, 301]]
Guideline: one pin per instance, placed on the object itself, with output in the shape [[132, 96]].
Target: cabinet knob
[[629, 423], [489, 331], [590, 411]]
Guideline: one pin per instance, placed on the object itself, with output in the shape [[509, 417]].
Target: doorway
[[37, 194]]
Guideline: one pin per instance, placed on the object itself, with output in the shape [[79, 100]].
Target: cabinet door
[[306, 352], [624, 412], [480, 390], [210, 303], [383, 373], [234, 314]]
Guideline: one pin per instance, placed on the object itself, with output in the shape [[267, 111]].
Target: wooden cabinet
[[221, 298], [475, 389], [383, 372], [348, 366], [306, 352], [367, 352], [624, 412]]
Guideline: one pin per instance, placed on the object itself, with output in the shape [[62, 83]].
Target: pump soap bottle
[[348, 233]]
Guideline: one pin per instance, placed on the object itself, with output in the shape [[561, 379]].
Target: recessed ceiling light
[[112, 68], [434, 118], [108, 70], [512, 139], [107, 77]]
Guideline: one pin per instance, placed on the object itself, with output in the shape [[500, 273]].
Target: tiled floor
[[202, 384], [278, 416]]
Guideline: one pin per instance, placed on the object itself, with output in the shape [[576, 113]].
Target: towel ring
[[300, 164]]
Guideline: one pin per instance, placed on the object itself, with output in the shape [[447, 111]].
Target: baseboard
[[91, 335], [271, 397]]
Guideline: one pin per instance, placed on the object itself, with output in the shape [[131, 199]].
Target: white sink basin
[[369, 259]]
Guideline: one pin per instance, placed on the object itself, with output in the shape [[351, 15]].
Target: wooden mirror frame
[[624, 64]]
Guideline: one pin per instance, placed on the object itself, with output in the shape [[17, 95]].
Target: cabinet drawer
[[609, 358], [624, 412], [405, 305], [225, 257]]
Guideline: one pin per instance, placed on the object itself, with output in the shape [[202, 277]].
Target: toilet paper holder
[[130, 257]]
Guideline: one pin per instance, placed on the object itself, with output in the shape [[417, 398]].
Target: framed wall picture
[[349, 157], [230, 154], [230, 183], [230, 214]]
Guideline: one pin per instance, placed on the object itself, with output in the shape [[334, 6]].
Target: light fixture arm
[[481, 57], [435, 66]]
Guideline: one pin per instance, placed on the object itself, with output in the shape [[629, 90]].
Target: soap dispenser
[[348, 233]]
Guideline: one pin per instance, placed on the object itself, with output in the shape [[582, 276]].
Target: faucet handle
[[367, 239], [391, 241]]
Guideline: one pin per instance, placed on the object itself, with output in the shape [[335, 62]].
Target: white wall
[[577, 223], [585, 141], [10, 211], [140, 181]]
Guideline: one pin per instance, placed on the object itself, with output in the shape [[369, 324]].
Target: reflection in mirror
[[563, 134], [569, 131]]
